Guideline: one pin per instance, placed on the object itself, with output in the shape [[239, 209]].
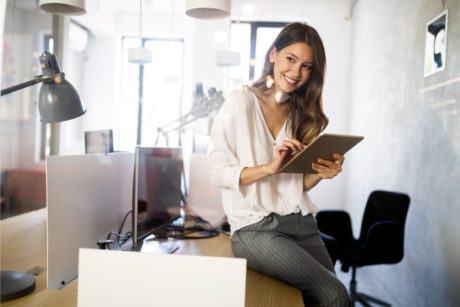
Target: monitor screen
[[100, 141], [157, 189]]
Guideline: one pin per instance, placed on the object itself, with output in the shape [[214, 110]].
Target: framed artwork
[[435, 44]]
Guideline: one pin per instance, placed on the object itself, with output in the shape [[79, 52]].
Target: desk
[[23, 246]]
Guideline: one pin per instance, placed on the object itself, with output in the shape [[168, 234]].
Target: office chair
[[381, 239]]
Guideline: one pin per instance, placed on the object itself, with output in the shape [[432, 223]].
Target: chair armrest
[[335, 223], [331, 246], [384, 242]]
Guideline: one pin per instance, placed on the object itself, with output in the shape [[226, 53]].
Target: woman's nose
[[297, 71]]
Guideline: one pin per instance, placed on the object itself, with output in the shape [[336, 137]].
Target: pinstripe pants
[[290, 248]]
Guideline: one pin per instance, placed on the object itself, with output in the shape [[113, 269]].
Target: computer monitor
[[157, 189], [100, 141]]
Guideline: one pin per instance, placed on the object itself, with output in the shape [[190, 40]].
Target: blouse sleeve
[[224, 166]]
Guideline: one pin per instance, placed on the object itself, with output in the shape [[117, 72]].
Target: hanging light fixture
[[207, 9], [227, 58], [140, 55], [64, 7]]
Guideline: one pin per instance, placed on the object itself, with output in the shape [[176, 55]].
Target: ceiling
[[114, 6]]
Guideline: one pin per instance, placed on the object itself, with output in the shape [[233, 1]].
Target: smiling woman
[[270, 214]]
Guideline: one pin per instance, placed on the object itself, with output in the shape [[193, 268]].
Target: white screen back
[[203, 197], [87, 198]]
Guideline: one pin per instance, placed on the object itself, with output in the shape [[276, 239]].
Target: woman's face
[[292, 66]]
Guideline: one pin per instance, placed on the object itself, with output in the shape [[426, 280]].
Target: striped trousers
[[290, 248]]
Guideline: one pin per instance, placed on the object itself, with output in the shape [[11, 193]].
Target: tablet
[[323, 147]]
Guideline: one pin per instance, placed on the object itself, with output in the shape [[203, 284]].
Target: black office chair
[[381, 240]]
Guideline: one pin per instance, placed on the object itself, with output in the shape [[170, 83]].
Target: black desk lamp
[[58, 101]]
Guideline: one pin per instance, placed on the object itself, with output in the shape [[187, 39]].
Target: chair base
[[362, 298]]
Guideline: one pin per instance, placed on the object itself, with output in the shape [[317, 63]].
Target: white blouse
[[240, 138]]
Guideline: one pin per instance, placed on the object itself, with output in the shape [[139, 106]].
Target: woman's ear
[[273, 54]]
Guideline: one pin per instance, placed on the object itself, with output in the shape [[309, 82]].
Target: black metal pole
[[17, 87]]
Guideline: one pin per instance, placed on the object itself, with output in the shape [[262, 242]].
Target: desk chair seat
[[381, 239]]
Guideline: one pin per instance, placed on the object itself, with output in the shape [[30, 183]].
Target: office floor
[[367, 284]]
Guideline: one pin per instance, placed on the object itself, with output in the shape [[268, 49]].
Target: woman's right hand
[[252, 174], [288, 147]]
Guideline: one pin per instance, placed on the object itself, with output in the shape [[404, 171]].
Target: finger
[[319, 171], [326, 172], [338, 158], [328, 163], [298, 145], [282, 147], [291, 147]]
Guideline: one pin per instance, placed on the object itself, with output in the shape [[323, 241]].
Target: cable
[[198, 225], [124, 220], [121, 238]]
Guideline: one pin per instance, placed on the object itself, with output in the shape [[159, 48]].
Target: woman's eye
[[290, 59], [308, 67]]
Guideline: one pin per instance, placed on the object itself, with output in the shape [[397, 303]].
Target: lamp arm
[[181, 125], [197, 114], [20, 86], [176, 121]]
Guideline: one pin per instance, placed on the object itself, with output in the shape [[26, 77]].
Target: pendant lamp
[[64, 7], [227, 58], [140, 55], [207, 9]]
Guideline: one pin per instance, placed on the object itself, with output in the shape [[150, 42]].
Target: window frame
[[255, 25]]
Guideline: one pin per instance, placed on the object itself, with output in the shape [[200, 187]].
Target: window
[[151, 93], [252, 40]]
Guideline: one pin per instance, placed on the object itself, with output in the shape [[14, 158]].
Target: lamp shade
[[59, 102], [207, 9], [64, 7], [139, 55]]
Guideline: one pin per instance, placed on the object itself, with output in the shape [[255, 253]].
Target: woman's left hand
[[329, 169]]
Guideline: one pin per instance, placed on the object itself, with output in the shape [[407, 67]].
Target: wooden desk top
[[23, 247]]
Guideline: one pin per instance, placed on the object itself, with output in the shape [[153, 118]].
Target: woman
[[257, 128]]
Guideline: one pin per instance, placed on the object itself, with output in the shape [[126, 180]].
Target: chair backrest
[[384, 206]]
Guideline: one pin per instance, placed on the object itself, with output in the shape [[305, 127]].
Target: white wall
[[412, 144]]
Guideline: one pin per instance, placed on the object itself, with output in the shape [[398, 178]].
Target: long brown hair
[[306, 118]]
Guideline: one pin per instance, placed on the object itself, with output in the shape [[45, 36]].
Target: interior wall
[[412, 129], [22, 44]]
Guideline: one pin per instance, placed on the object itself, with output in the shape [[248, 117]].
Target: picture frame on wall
[[436, 44]]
